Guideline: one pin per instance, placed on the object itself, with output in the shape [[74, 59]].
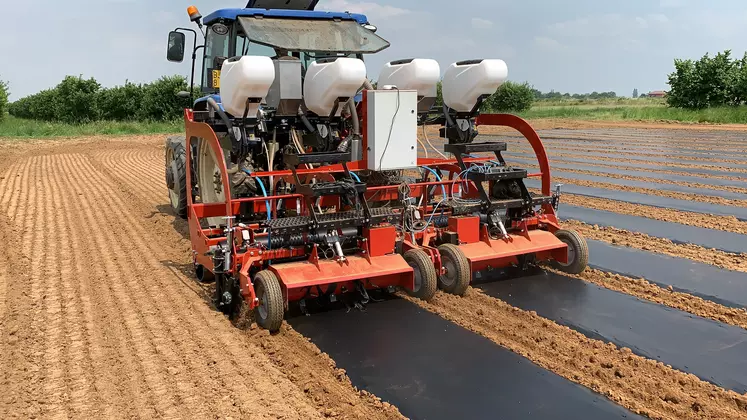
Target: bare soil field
[[101, 317]]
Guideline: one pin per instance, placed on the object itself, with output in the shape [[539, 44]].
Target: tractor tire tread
[[268, 281], [177, 145], [429, 279], [581, 248], [464, 272]]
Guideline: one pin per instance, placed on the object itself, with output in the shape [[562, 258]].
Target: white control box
[[392, 129]]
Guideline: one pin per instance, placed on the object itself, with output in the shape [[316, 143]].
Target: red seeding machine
[[301, 181]]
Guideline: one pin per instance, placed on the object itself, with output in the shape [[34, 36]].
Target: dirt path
[[104, 322]]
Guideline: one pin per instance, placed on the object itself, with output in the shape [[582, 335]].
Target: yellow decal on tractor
[[216, 79]]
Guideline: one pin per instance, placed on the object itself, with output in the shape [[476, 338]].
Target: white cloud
[[370, 9], [479, 23], [671, 3], [548, 43]]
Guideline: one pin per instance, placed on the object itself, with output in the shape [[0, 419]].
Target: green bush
[[708, 82], [120, 103], [511, 97], [3, 99], [160, 102], [76, 100]]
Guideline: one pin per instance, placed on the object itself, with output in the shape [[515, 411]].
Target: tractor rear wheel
[[578, 252], [176, 174], [271, 309], [426, 283], [458, 275]]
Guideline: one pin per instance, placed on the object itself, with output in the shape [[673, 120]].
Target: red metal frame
[[535, 235], [378, 266]]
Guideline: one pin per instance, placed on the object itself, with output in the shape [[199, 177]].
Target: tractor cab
[[284, 30]]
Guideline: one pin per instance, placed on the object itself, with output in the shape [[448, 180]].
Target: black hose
[[306, 121], [223, 116]]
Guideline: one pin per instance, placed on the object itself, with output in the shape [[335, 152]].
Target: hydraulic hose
[[443, 188], [306, 121], [223, 116], [264, 192]]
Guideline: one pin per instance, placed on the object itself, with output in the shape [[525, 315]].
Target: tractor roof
[[233, 14]]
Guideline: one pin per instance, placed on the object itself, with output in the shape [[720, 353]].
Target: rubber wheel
[[176, 174], [578, 252], [269, 314], [458, 275], [426, 283]]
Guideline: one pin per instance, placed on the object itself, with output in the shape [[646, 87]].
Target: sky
[[575, 46]]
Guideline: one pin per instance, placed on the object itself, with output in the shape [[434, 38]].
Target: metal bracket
[[556, 197]]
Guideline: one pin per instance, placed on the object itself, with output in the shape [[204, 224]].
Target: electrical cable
[[425, 134], [443, 188], [391, 128], [425, 149]]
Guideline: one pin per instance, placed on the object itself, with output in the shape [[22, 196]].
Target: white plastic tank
[[329, 79], [418, 74], [244, 78], [465, 81]]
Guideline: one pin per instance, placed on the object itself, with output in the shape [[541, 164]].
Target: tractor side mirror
[[175, 52], [183, 94]]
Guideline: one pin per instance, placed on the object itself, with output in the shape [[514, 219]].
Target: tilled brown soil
[[622, 146], [725, 188], [658, 171], [559, 150], [654, 191], [101, 319], [726, 223], [638, 240], [682, 301], [679, 164]]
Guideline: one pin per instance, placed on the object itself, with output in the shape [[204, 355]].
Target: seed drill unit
[[301, 181]]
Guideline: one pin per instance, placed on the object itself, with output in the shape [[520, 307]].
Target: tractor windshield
[[313, 35]]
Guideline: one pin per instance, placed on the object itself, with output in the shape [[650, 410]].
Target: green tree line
[[78, 100], [708, 82], [553, 95]]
